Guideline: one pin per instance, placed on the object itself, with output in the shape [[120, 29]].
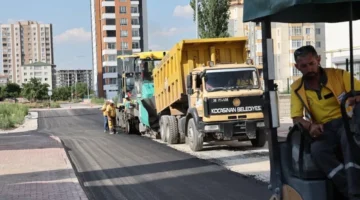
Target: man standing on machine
[[319, 93]]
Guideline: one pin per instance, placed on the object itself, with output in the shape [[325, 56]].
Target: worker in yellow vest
[[111, 114], [103, 109], [319, 93]]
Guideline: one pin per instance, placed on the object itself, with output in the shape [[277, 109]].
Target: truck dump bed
[[170, 74]]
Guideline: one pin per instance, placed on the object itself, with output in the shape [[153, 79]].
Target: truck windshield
[[130, 83], [227, 79], [148, 67]]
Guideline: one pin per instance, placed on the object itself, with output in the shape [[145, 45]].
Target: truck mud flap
[[149, 105]]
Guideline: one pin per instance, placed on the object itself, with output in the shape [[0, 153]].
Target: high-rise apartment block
[[23, 43], [70, 77], [286, 39], [119, 27]]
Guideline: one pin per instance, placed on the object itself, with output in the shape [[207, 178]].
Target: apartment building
[[119, 27], [44, 72], [70, 77], [22, 43], [3, 80], [286, 39]]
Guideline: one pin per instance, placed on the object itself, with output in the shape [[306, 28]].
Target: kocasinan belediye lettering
[[236, 109]]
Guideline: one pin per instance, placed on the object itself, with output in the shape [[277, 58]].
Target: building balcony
[[110, 75], [109, 39], [136, 50], [107, 3], [136, 38], [135, 14], [111, 87], [110, 63], [109, 52], [109, 28], [136, 26], [108, 16]]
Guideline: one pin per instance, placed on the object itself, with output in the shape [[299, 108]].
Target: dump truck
[[208, 90], [138, 86]]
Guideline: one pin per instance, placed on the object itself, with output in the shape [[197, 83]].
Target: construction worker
[[319, 93], [111, 114], [103, 109]]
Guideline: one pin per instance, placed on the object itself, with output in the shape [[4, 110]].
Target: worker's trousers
[[346, 174]]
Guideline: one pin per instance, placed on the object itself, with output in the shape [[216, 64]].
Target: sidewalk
[[34, 166]]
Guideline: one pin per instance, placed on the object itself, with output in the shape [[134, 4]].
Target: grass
[[98, 101], [43, 105], [12, 115]]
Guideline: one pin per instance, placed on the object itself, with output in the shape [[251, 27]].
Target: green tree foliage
[[35, 90], [61, 94], [12, 90], [80, 90], [213, 17]]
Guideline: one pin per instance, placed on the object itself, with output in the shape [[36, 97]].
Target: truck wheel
[[194, 138], [260, 138], [172, 131], [164, 122]]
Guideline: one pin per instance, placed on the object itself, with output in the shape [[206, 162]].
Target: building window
[[135, 45], [124, 33], [124, 45], [307, 31], [259, 60], [308, 43], [123, 21], [296, 44], [122, 0], [318, 44], [135, 33], [258, 47], [296, 72], [135, 21], [122, 9], [318, 31], [296, 30], [134, 10], [111, 57], [111, 45]]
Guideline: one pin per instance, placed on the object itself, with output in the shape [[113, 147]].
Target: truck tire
[[194, 139], [260, 138], [164, 122], [182, 128], [172, 131]]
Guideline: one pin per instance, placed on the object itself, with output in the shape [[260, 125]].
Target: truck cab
[[227, 99]]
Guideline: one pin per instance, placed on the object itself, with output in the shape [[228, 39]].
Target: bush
[[96, 100], [12, 115]]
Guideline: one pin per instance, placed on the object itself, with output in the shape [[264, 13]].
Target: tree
[[61, 93], [12, 90], [81, 90], [35, 90], [2, 93], [213, 17]]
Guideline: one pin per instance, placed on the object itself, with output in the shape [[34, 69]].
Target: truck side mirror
[[189, 84]]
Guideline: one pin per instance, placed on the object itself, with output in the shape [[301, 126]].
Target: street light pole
[[88, 85], [196, 18]]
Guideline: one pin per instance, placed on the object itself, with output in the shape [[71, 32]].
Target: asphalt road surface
[[134, 167]]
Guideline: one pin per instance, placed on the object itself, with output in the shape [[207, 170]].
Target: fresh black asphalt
[[136, 168]]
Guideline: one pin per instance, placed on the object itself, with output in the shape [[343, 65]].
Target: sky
[[169, 22]]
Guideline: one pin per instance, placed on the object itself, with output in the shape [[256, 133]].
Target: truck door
[[196, 99]]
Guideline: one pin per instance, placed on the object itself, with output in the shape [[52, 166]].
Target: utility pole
[[75, 79], [88, 85]]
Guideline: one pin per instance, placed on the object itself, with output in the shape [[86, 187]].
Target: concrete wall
[[284, 105]]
